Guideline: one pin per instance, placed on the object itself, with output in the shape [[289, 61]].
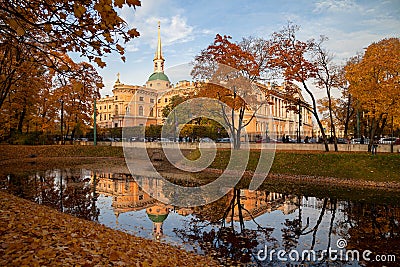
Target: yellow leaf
[[79, 10], [119, 3]]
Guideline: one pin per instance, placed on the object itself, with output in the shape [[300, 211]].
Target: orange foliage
[[375, 80]]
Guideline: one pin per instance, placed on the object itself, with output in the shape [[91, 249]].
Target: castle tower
[[158, 80]]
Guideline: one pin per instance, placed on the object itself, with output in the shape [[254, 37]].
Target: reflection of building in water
[[127, 196], [125, 192], [256, 203], [154, 187], [317, 203]]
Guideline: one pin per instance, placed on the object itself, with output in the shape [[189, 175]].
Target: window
[[140, 110], [109, 116], [159, 100], [141, 98], [151, 100], [127, 111], [100, 107], [100, 117], [116, 109], [151, 85], [105, 107], [151, 113], [116, 125], [109, 107], [165, 100], [140, 197], [116, 97]]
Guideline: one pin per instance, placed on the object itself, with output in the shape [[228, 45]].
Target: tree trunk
[[377, 126], [241, 220], [348, 116], [331, 118], [21, 120], [315, 113]]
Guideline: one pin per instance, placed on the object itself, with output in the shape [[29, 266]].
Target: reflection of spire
[[116, 217]]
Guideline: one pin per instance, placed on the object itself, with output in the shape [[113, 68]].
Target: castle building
[[134, 105]]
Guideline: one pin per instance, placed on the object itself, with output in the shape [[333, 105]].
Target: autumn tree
[[174, 101], [230, 73], [343, 108], [327, 77], [375, 84], [293, 58], [91, 28], [40, 30], [75, 91], [21, 99]]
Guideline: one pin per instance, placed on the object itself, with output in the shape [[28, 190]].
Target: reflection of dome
[[158, 76], [157, 213], [157, 218]]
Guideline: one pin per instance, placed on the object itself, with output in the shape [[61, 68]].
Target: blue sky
[[189, 26]]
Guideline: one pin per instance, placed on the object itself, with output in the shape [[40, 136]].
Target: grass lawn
[[362, 166], [50, 151]]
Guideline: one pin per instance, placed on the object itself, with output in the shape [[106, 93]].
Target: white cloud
[[173, 30], [174, 25], [335, 6], [131, 48]]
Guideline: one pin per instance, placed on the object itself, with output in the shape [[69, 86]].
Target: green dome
[[157, 218], [158, 76]]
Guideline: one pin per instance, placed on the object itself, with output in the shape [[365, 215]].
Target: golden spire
[[158, 54]]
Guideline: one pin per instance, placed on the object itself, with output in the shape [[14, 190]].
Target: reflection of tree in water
[[60, 189], [296, 227], [221, 239], [375, 228], [300, 226]]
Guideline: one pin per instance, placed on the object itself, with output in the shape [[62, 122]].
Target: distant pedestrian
[[283, 139], [287, 138], [374, 147], [362, 141], [306, 140]]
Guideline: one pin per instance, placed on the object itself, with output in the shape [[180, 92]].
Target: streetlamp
[[94, 124], [391, 143], [299, 126]]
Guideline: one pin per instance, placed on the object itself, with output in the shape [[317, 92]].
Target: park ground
[[351, 166]]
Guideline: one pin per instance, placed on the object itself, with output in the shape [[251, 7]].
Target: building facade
[[133, 105]]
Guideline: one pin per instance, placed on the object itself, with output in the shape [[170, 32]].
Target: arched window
[[140, 110]]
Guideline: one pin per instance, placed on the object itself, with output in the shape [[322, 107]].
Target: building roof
[[158, 76]]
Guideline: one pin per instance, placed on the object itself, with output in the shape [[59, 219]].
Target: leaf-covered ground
[[34, 235]]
